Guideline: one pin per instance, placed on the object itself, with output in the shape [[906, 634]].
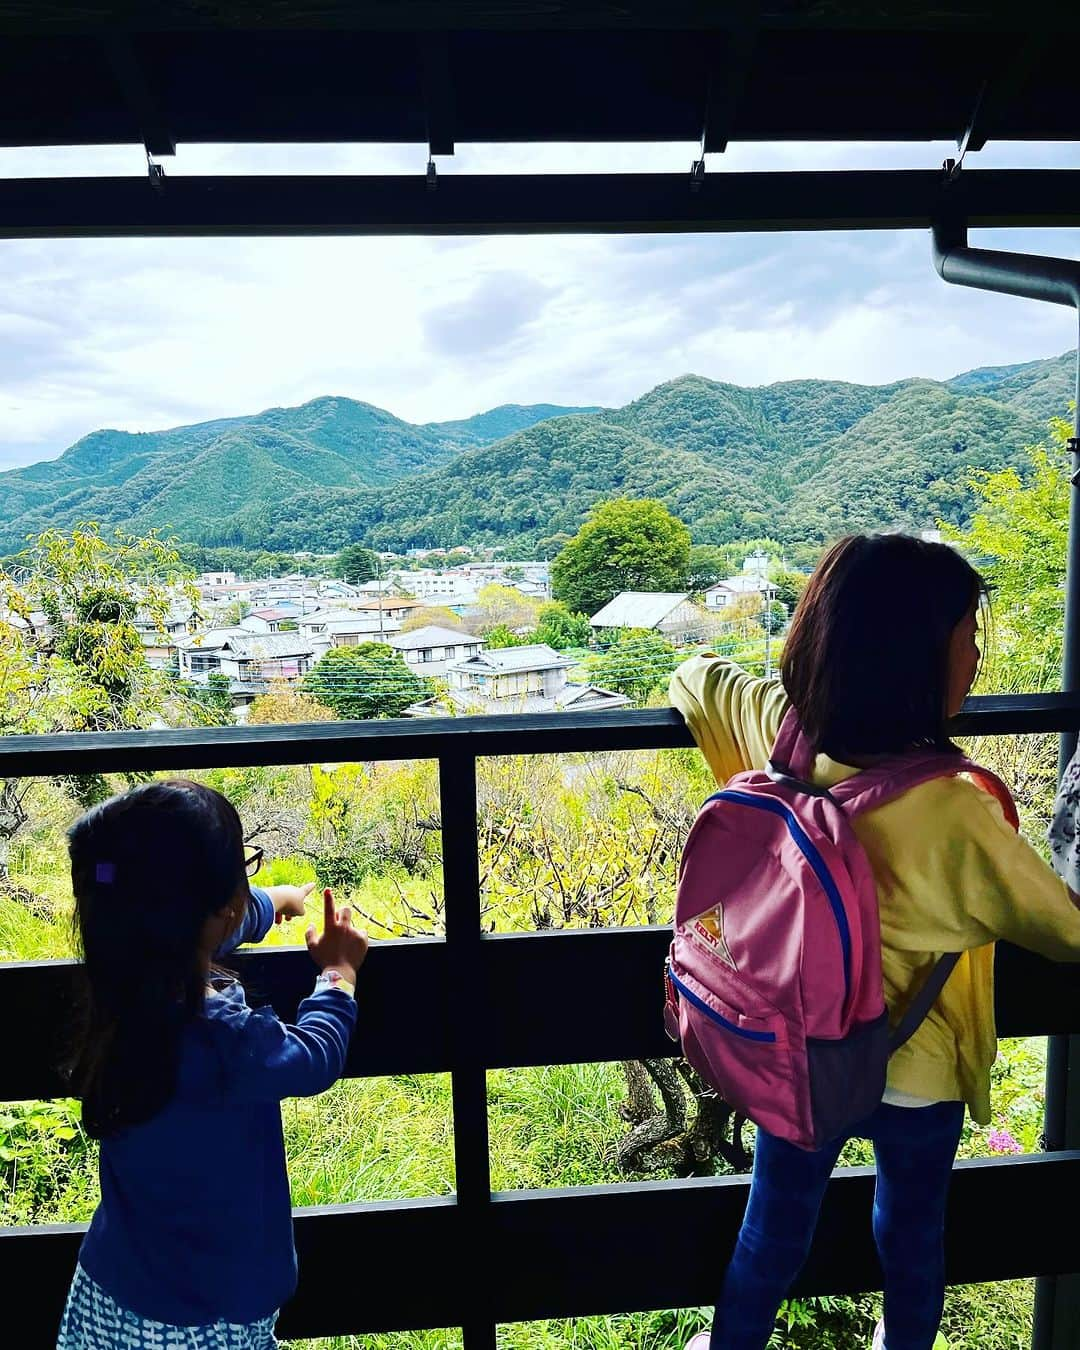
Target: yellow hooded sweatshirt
[[952, 875]]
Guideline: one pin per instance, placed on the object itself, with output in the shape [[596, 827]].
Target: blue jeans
[[914, 1148]]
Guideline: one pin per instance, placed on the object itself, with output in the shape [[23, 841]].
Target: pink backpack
[[774, 976]]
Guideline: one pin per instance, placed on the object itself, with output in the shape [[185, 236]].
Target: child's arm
[[253, 927], [289, 901], [275, 1060], [734, 717], [1008, 889], [266, 907]]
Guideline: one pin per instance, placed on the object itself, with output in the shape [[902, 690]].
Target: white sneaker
[[879, 1337], [699, 1342]]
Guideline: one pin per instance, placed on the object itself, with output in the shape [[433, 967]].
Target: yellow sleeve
[[1009, 891], [734, 717]]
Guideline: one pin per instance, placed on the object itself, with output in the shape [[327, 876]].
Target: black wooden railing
[[471, 1002]]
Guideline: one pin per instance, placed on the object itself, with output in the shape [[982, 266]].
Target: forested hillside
[[801, 461]]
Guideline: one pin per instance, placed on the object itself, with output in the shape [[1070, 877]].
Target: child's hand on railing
[[341, 946]]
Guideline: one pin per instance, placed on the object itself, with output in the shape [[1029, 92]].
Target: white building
[[431, 649], [726, 592], [326, 628], [667, 612], [160, 644], [251, 661], [270, 620], [514, 680], [426, 584]]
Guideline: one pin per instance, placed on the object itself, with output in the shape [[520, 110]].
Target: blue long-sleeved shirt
[[195, 1222]]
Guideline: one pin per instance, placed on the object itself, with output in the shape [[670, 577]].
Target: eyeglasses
[[253, 861]]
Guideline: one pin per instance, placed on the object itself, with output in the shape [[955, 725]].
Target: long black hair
[[866, 662], [148, 868]]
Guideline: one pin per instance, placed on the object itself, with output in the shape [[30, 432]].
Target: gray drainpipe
[[1057, 280]]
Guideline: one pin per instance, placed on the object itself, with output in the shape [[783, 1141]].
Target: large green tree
[[625, 545], [71, 651], [366, 681], [356, 564], [1018, 537]]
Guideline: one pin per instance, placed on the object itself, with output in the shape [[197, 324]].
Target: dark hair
[[866, 663], [148, 868]]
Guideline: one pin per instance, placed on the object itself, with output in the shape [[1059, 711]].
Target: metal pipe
[[1056, 281]]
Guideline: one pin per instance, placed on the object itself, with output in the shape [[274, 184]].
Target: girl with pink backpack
[[881, 654]]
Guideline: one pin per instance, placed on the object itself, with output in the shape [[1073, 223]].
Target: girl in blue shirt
[[192, 1242]]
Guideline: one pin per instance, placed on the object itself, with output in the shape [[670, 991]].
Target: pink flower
[[1001, 1141]]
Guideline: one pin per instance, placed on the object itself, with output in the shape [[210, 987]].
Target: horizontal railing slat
[[571, 997], [416, 738], [593, 1250]]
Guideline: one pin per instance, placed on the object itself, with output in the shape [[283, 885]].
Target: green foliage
[[501, 636], [356, 564], [637, 664], [369, 680], [502, 607], [213, 696], [623, 546], [560, 628], [1018, 537]]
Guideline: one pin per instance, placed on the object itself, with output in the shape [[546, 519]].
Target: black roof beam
[[132, 72], [1000, 89], [438, 92], [731, 58], [534, 204], [164, 16]]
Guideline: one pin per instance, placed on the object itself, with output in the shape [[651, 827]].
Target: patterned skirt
[[94, 1321]]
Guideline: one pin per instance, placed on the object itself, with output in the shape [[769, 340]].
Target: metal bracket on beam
[[697, 172], [156, 174], [431, 178]]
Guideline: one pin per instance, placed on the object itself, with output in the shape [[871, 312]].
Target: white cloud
[[147, 333]]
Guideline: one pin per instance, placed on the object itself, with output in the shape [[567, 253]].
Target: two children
[[881, 653], [181, 1081]]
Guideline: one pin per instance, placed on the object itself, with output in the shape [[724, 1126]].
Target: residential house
[[431, 649], [271, 620], [667, 612], [251, 661], [326, 628], [160, 643], [726, 592], [513, 680], [390, 606], [216, 579]]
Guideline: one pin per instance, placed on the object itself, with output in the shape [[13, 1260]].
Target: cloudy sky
[[141, 334]]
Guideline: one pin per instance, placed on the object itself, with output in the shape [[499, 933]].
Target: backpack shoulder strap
[[875, 787], [792, 755], [923, 1001]]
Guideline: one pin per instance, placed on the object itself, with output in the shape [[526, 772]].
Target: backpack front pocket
[[745, 1058]]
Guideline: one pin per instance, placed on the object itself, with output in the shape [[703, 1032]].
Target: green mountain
[[207, 472], [801, 460]]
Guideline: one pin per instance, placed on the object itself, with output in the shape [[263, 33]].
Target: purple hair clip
[[105, 872]]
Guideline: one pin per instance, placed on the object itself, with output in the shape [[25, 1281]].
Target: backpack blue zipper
[[711, 1013], [812, 856]]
